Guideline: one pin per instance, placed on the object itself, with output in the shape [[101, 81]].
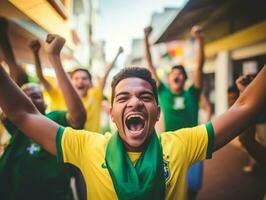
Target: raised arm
[[35, 46], [76, 111], [21, 111], [147, 32], [109, 67], [244, 111], [17, 73], [196, 32]]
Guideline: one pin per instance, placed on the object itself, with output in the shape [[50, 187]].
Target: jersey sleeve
[[198, 142], [60, 117], [194, 91], [75, 145], [161, 86]]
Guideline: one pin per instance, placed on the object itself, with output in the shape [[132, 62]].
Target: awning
[[208, 12], [193, 12]]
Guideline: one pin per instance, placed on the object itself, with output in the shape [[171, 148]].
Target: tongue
[[135, 127]]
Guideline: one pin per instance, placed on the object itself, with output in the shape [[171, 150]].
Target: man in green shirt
[[180, 106], [27, 171]]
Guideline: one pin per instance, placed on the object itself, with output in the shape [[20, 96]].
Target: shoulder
[[194, 91], [59, 117], [162, 87]]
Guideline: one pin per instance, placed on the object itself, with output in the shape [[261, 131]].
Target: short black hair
[[135, 72], [233, 89], [181, 68], [80, 69]]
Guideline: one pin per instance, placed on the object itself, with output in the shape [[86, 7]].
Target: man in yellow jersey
[[57, 101], [81, 79], [91, 96], [135, 162]]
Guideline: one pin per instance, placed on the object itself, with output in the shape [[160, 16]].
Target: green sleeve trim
[[210, 147], [59, 135]]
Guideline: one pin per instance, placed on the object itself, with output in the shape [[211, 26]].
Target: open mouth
[[80, 87], [135, 123], [176, 80]]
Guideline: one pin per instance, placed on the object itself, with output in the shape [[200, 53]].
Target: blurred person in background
[[249, 138], [92, 95], [179, 106], [27, 171]]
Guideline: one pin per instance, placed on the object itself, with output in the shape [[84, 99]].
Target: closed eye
[[146, 98], [121, 99]]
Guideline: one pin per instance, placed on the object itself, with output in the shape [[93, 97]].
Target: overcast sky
[[122, 20]]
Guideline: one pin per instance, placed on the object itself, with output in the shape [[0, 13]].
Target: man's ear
[[111, 113], [158, 112]]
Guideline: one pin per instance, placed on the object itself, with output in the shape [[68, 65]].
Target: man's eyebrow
[[147, 92], [121, 93]]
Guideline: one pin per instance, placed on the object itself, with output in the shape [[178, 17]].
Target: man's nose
[[135, 102]]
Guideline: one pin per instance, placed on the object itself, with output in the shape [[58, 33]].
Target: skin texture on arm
[[76, 111], [35, 46], [196, 32], [21, 111], [147, 32], [109, 67], [17, 73], [243, 113]]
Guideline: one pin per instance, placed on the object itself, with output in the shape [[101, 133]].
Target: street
[[225, 180]]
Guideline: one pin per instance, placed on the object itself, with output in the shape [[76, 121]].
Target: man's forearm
[[39, 72], [13, 101], [109, 68], [149, 59], [7, 48], [74, 104], [199, 61], [16, 72]]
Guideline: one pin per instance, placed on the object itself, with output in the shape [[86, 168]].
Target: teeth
[[135, 115], [135, 122]]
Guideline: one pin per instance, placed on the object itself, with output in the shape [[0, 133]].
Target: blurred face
[[35, 94], [231, 98], [135, 112], [176, 80], [81, 82]]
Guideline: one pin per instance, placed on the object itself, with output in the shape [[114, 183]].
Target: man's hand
[[3, 25], [243, 81], [54, 44], [120, 50], [196, 31], [147, 30], [35, 46]]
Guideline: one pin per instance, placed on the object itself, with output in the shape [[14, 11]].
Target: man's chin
[[82, 93]]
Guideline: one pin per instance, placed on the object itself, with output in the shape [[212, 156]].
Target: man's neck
[[178, 91]]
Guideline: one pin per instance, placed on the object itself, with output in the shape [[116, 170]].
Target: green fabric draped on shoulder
[[142, 181]]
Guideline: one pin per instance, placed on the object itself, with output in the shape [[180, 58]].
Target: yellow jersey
[[181, 148], [92, 103], [55, 100]]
